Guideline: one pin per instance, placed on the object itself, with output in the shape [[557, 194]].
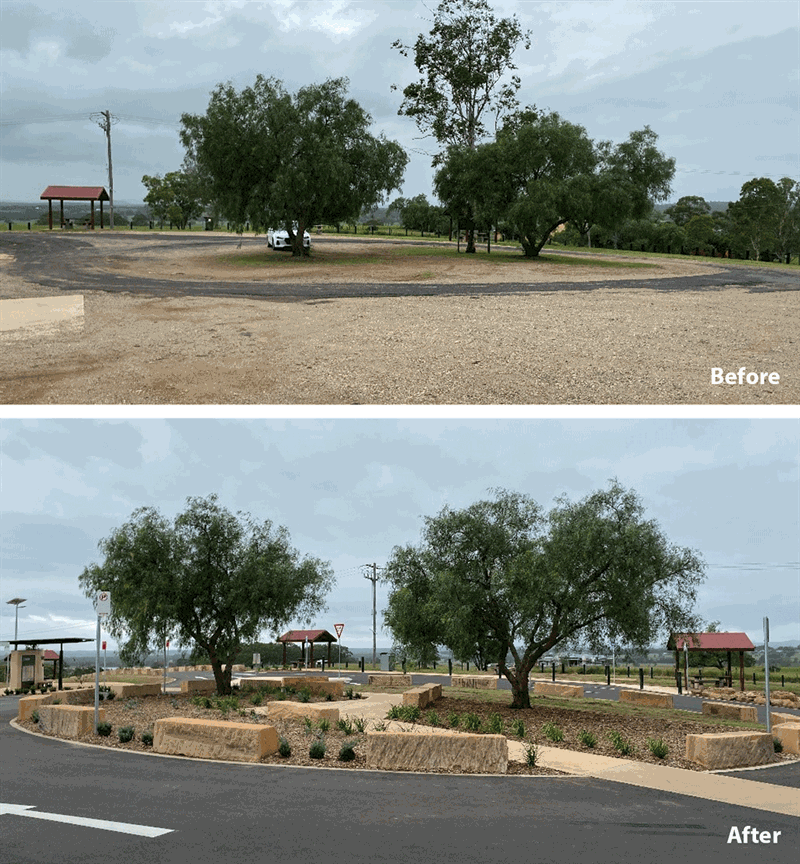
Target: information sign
[[338, 628]]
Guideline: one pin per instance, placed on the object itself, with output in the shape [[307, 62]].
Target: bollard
[[29, 228], [608, 675], [404, 666], [554, 671], [651, 671], [362, 665], [754, 677], [584, 668], [629, 672], [323, 664], [9, 226], [467, 665], [678, 680], [449, 665], [641, 678]]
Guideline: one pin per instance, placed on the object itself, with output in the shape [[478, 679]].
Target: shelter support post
[[50, 213]]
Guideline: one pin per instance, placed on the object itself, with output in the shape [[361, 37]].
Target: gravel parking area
[[191, 319]]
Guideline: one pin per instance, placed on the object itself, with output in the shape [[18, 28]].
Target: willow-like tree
[[210, 579], [465, 63], [503, 577], [275, 159]]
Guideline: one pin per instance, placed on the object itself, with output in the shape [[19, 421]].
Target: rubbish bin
[[387, 662], [209, 223]]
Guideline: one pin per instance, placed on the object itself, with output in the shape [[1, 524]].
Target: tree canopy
[[543, 171], [279, 160], [175, 197], [502, 576], [210, 579], [767, 216]]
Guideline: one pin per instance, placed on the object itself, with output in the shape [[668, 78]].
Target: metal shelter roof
[[75, 193], [307, 636], [710, 642], [50, 641]]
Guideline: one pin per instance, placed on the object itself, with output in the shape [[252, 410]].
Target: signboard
[[338, 628], [103, 603], [256, 659]]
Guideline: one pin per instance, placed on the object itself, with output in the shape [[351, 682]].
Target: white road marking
[[122, 827]]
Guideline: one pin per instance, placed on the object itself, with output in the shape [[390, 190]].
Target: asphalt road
[[70, 268], [217, 812]]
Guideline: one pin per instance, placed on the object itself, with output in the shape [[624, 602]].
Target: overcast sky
[[348, 491], [717, 81]]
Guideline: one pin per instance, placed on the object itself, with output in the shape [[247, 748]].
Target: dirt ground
[[191, 319]]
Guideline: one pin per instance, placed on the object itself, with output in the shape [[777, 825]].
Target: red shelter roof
[[307, 636], [711, 642], [75, 193]]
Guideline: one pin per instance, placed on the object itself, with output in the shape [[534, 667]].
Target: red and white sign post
[[102, 606], [338, 628]]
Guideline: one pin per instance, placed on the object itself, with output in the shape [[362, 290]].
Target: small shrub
[[472, 722], [56, 702], [432, 718], [284, 748], [347, 753], [304, 695], [410, 713], [453, 720], [324, 724], [329, 697], [256, 699], [494, 724], [518, 728], [553, 733], [307, 723], [623, 747], [317, 749], [147, 737], [394, 712], [125, 734], [131, 704], [104, 729], [35, 718], [360, 723], [345, 725], [349, 692], [587, 739], [778, 745], [531, 754], [111, 696], [380, 727], [658, 748]]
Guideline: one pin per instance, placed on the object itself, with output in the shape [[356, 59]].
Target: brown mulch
[[637, 730]]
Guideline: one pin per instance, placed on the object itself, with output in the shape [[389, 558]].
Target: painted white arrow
[[123, 827]]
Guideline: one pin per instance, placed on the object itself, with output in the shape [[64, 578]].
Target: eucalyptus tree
[[209, 578], [502, 576], [465, 63]]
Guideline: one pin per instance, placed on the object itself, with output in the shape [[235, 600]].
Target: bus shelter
[[24, 659]]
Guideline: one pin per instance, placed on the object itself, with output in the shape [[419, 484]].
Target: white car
[[279, 239]]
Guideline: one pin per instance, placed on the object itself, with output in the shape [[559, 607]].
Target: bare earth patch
[[423, 330]]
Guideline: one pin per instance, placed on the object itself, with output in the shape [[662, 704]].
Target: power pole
[[373, 579], [104, 119]]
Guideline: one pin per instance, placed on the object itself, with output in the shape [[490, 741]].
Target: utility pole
[[373, 579], [104, 120]]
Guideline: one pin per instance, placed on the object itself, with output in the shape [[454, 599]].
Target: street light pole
[[16, 601], [373, 579]]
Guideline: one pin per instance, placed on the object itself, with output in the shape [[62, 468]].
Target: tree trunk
[[518, 679], [222, 674]]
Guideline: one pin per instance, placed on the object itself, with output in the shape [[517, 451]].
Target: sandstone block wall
[[642, 697], [479, 682], [297, 710], [422, 696], [28, 704], [128, 691], [775, 718], [449, 751], [69, 721], [199, 685], [214, 739], [789, 735], [390, 679], [317, 686], [568, 691], [732, 712], [730, 749]]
